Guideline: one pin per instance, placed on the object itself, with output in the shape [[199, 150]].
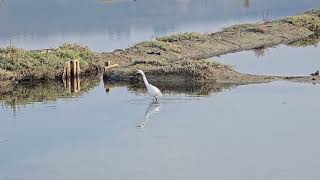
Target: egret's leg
[[156, 98]]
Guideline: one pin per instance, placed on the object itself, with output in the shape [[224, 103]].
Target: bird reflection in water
[[153, 108]]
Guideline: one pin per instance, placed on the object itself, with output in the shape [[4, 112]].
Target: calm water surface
[[282, 60], [197, 131], [266, 131]]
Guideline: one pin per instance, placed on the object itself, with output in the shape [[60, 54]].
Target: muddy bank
[[193, 88], [182, 71], [312, 40], [303, 79], [183, 57]]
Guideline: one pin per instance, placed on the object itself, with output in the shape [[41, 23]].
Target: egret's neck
[[144, 79]]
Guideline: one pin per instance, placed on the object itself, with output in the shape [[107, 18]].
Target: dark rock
[[156, 53], [315, 74]]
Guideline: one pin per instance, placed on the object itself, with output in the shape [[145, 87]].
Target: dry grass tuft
[[193, 36], [165, 46], [306, 20]]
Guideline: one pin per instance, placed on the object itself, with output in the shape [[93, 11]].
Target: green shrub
[[46, 64]]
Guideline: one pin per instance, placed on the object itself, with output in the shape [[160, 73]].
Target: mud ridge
[[183, 57]]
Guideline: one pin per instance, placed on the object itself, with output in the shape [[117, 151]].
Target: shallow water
[[282, 60], [108, 25], [264, 131], [88, 130]]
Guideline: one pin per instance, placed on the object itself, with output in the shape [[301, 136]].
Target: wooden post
[[73, 68], [78, 67], [78, 84], [73, 85], [106, 64], [68, 84], [66, 70], [71, 73]]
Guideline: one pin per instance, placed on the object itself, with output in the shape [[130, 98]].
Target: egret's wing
[[155, 91]]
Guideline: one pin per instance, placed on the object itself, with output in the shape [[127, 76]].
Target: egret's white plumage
[[152, 90]]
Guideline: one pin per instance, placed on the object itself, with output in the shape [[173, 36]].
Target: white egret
[[152, 90]]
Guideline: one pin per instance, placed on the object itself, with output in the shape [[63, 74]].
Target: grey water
[[196, 131], [108, 25], [280, 61], [263, 131]]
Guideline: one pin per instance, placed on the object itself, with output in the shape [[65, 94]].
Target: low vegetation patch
[[188, 68], [47, 64], [193, 36], [306, 20], [312, 40], [6, 75], [165, 46]]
